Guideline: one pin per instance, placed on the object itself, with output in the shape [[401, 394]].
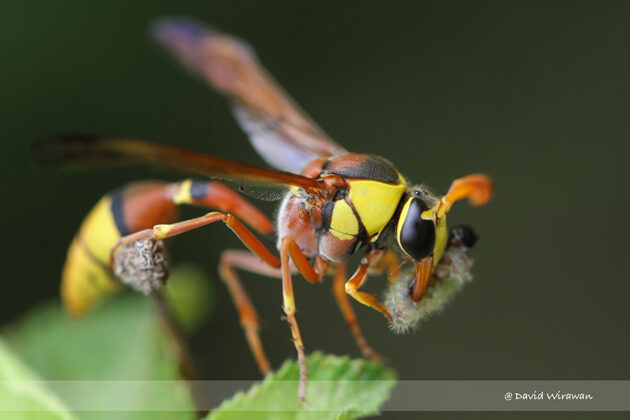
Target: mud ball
[[142, 265]]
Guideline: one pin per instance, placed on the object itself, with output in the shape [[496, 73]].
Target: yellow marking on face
[[182, 195], [429, 214], [375, 202], [343, 223], [99, 230], [401, 220], [441, 236]]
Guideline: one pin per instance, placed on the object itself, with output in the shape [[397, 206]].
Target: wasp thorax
[[142, 265]]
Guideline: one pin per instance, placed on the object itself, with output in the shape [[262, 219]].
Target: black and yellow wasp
[[335, 204]]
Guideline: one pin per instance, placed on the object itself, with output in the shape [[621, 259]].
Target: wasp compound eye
[[416, 236]]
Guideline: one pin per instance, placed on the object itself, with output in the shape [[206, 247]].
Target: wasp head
[[421, 235]]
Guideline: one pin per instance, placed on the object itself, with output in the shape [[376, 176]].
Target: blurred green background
[[533, 93]]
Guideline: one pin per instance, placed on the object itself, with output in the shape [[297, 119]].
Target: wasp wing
[[80, 149], [279, 131]]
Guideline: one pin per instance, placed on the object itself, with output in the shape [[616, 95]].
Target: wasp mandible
[[335, 202]]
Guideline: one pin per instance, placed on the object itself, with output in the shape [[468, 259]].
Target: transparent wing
[[279, 131]]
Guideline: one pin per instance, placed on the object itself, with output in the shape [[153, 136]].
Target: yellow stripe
[[182, 195], [441, 237], [99, 230], [343, 224], [429, 214], [162, 231], [84, 281], [401, 220], [375, 202]]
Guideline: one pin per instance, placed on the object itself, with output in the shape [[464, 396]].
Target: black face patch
[[417, 236], [362, 167]]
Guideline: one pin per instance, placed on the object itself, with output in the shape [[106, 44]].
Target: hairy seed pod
[[142, 265], [448, 277]]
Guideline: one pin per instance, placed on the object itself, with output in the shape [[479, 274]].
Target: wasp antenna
[[62, 148]]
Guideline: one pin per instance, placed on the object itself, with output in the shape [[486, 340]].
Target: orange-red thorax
[[366, 199]]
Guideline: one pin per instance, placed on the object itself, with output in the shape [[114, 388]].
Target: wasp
[[334, 203]]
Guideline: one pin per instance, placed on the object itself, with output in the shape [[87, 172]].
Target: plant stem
[[187, 364]]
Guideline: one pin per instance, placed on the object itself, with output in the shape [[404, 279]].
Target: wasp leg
[[389, 262], [243, 260], [348, 313], [290, 249], [477, 188], [217, 196], [249, 319], [360, 276], [168, 231]]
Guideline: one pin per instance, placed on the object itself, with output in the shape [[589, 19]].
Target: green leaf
[[190, 295], [121, 340], [338, 388], [21, 389]]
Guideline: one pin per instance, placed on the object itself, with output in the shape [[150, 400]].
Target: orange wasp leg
[[247, 313], [244, 260], [219, 197], [360, 276], [170, 230], [290, 249], [389, 262], [343, 302], [247, 261]]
